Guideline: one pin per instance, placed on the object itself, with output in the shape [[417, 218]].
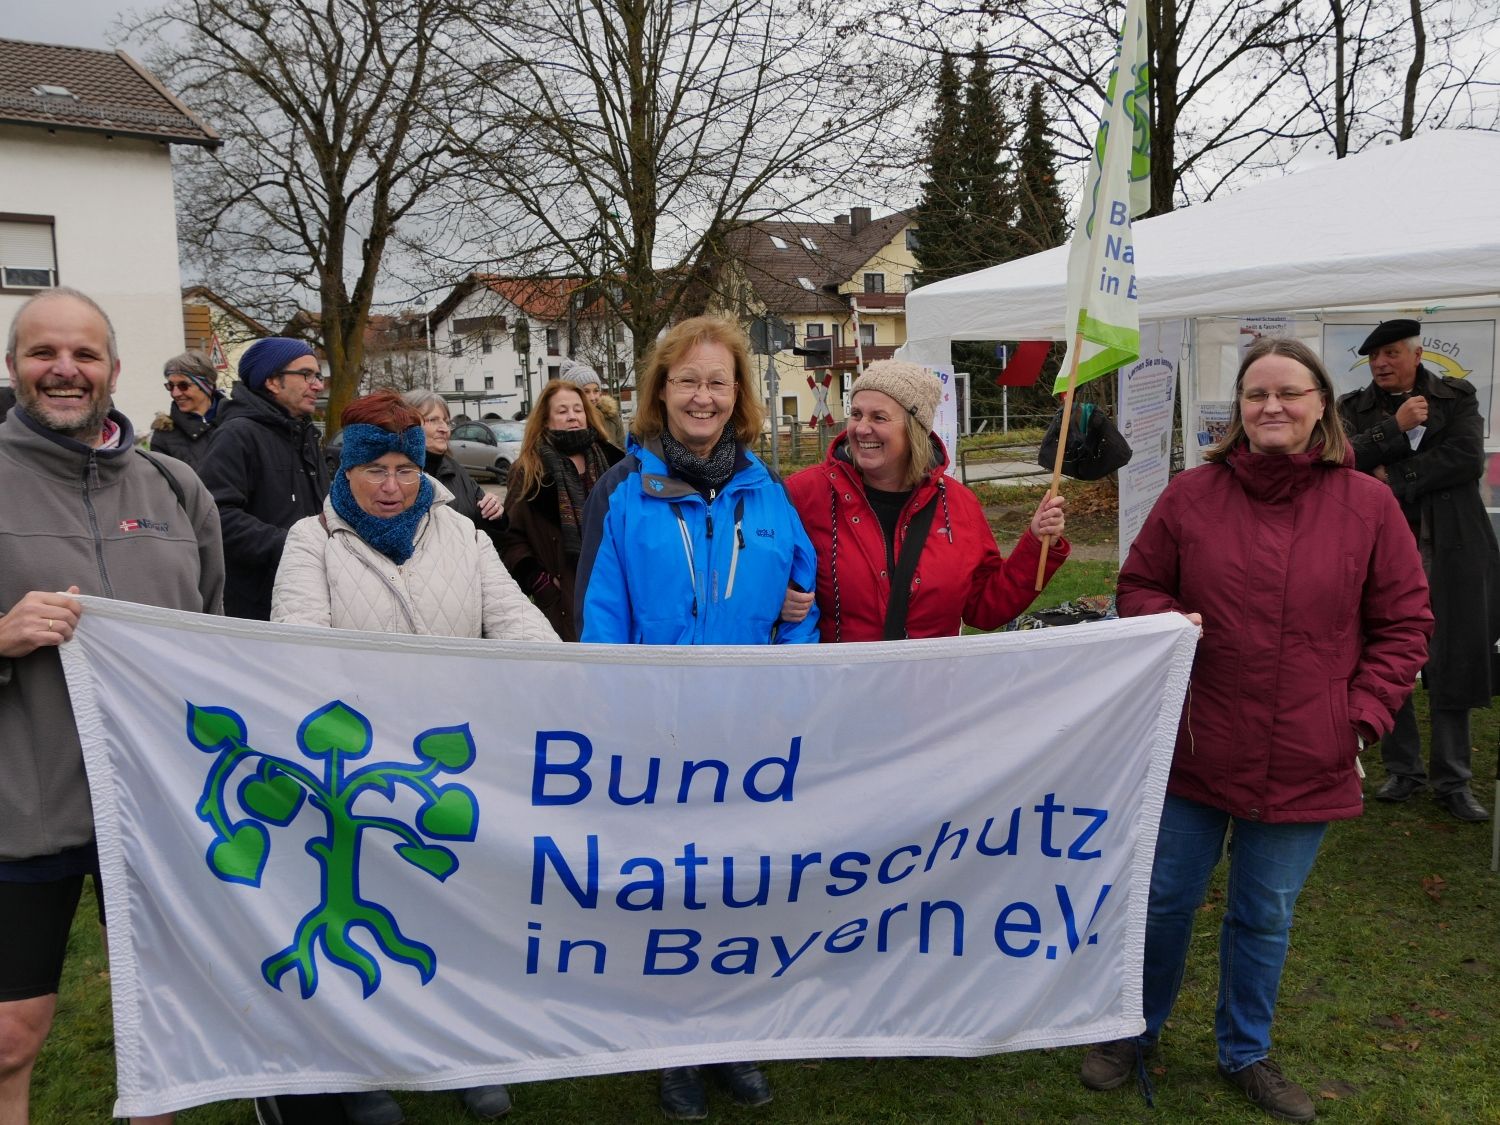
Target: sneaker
[[745, 1082], [371, 1107], [682, 1095], [1110, 1065], [1461, 803], [1264, 1084], [486, 1102], [1399, 787]]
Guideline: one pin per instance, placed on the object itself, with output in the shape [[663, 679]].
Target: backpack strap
[[906, 569], [168, 477]]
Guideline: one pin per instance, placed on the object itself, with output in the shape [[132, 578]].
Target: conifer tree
[[1041, 221], [940, 214], [987, 188]]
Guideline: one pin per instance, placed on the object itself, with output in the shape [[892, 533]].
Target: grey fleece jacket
[[107, 522]]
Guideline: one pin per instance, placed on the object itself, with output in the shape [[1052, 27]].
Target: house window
[[456, 346], [812, 329], [521, 377], [485, 345], [808, 243], [489, 382], [867, 335], [619, 333], [805, 283], [458, 385], [912, 241], [27, 260], [552, 340], [908, 281], [779, 243], [874, 283]]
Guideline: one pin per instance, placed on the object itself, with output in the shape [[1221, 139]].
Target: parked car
[[487, 447]]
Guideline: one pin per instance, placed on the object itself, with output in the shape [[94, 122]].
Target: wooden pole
[[1063, 433]]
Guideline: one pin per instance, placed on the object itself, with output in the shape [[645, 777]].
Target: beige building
[[839, 286]]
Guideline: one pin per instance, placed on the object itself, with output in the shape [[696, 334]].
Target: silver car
[[487, 447]]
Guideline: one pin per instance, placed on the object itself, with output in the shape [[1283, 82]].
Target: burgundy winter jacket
[[1315, 619], [960, 575]]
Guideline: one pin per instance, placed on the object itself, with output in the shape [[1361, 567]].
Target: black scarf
[[556, 449], [706, 474]]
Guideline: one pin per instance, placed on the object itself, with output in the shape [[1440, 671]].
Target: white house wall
[[116, 239]]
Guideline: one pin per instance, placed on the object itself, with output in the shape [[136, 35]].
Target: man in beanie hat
[[183, 431], [1421, 433], [587, 380], [264, 466]]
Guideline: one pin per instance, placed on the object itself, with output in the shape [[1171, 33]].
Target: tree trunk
[[1414, 71]]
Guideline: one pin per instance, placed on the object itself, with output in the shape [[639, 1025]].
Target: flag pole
[[1062, 446]]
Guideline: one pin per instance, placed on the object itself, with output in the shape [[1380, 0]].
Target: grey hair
[[420, 399], [50, 295], [1412, 342], [192, 363]]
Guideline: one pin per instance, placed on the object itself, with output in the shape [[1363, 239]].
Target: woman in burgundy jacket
[[886, 519], [1309, 590]]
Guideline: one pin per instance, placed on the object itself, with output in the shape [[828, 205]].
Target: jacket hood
[[247, 403], [1277, 478], [838, 453]]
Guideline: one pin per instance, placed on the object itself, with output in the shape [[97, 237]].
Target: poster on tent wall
[[1463, 349], [1147, 390], [1253, 328], [945, 419]]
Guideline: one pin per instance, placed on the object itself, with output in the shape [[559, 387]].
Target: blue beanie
[[265, 358]]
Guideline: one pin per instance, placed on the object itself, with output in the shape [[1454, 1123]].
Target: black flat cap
[[1388, 332]]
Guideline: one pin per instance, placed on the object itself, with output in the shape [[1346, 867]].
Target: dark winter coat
[[266, 472], [1437, 485], [183, 436], [532, 546], [1315, 621], [466, 496], [960, 576]]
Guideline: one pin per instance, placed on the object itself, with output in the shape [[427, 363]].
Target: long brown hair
[[528, 473], [1329, 431], [651, 415]]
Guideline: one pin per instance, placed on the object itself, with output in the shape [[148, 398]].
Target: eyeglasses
[[310, 376], [716, 388], [1259, 397], [379, 474], [174, 386]]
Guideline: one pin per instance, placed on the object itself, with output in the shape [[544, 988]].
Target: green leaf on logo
[[274, 796], [452, 816], [212, 729], [241, 857], [450, 747], [335, 727], [435, 861]]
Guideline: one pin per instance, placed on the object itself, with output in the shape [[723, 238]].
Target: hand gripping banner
[[342, 861]]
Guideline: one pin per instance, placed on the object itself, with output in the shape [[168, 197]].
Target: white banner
[[341, 861], [1147, 390]]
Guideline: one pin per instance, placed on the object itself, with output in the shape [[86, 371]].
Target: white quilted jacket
[[452, 586]]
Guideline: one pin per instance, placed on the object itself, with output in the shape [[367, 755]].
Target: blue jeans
[[1268, 864]]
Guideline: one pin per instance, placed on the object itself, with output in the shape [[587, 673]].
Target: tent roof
[[1407, 222]]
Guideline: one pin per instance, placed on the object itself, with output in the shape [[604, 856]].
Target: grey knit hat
[[579, 374], [916, 388]]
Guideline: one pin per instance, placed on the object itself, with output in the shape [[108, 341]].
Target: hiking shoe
[[1265, 1085], [744, 1081], [1110, 1065], [682, 1094], [486, 1102]]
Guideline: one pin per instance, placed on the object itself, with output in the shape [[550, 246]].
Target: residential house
[[219, 329], [497, 340], [840, 286], [86, 198]]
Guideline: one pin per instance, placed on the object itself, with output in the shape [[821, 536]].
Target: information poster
[[1146, 393]]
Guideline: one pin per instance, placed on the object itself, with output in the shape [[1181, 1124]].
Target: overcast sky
[[72, 23]]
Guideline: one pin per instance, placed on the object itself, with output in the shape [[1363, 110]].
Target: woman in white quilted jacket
[[389, 555]]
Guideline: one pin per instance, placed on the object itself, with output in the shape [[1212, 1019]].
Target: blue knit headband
[[364, 443]]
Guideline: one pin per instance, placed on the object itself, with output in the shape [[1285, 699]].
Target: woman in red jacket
[[1309, 590], [881, 505]]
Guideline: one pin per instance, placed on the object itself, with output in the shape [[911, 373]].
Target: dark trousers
[[1448, 755]]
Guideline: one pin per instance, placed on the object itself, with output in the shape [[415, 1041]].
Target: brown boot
[[1110, 1065], [1265, 1085]]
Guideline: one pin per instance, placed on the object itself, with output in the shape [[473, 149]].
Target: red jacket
[[1315, 618], [960, 575]]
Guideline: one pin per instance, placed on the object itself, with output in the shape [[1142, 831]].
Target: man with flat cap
[[264, 466], [1421, 433]]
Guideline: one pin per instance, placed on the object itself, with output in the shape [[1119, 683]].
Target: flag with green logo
[[1103, 322]]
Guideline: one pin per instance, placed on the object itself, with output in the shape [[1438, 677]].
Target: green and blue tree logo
[[276, 789]]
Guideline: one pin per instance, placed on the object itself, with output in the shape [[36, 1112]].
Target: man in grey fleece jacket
[[83, 511]]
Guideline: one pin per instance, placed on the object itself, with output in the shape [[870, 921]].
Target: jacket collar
[[657, 480], [838, 455], [1371, 397], [1278, 478], [58, 455]]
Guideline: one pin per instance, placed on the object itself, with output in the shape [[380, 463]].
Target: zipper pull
[[695, 605], [710, 525]]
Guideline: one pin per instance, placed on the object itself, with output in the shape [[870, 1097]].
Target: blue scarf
[[393, 536]]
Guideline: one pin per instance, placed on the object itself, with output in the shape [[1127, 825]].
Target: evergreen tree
[[940, 214], [988, 192], [1041, 220]]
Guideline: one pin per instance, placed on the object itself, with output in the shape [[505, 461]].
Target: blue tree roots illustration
[[277, 789]]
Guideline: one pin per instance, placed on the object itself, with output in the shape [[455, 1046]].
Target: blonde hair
[[651, 415], [528, 473], [1329, 430]]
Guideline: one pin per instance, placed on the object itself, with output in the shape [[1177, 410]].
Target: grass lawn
[[1389, 1012]]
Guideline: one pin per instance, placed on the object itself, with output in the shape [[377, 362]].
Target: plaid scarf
[[573, 487]]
